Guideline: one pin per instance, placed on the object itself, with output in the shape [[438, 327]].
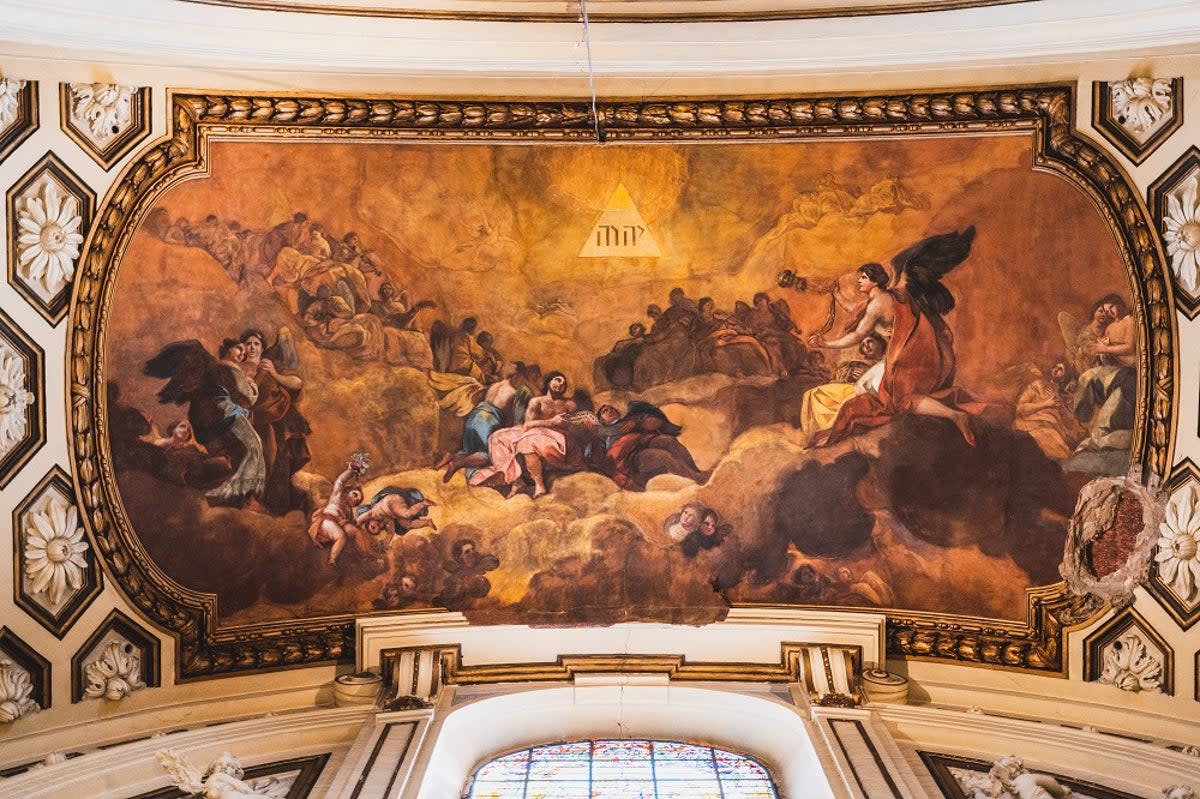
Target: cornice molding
[[132, 766], [1121, 755], [609, 10], [196, 35], [747, 644]]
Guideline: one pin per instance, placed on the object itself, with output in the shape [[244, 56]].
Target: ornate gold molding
[[1045, 112], [1040, 645], [565, 668]]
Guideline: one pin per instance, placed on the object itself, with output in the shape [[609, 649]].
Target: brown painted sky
[[490, 230], [495, 231]]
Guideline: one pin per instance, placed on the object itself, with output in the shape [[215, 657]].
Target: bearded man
[[540, 441]]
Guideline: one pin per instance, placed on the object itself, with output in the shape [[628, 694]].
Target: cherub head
[[180, 431], [225, 764], [691, 515], [465, 552], [1007, 769]]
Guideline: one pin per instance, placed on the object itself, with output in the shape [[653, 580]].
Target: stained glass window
[[622, 769]]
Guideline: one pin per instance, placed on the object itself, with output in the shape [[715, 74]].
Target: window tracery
[[622, 769]]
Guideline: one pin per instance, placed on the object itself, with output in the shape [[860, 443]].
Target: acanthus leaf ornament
[[1138, 114], [16, 693], [10, 99], [102, 110], [15, 398], [107, 120], [115, 674], [1131, 666], [1140, 105]]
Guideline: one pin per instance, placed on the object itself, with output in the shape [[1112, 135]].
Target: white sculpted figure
[[221, 780], [1011, 775], [1009, 779], [1179, 792]]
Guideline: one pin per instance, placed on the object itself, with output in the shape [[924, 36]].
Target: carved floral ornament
[[10, 98], [54, 549], [1142, 105], [1181, 231], [16, 693], [15, 398], [48, 239], [101, 110], [1178, 554], [1131, 665], [115, 673]]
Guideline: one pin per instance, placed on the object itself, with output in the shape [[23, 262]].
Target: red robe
[[919, 363]]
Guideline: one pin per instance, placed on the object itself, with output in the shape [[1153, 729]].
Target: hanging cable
[[587, 43]]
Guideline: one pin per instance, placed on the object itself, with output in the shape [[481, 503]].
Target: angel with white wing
[[223, 779], [1080, 337]]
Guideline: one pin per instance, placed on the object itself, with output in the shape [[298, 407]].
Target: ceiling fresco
[[562, 382]]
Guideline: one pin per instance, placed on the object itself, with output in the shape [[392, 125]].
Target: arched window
[[622, 769]]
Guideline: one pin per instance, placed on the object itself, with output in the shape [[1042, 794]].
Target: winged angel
[[918, 374], [1009, 779], [1080, 337], [221, 780], [219, 397]]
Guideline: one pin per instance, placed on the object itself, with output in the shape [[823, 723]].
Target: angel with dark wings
[[219, 397], [918, 375]]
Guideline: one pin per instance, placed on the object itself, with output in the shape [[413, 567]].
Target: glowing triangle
[[620, 231]]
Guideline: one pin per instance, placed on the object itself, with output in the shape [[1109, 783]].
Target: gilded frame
[[1047, 112]]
